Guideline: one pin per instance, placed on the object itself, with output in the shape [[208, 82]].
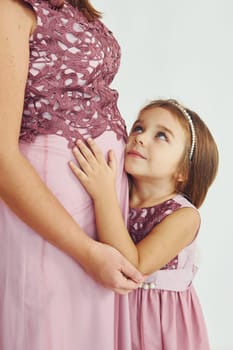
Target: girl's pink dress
[[47, 301], [165, 311]]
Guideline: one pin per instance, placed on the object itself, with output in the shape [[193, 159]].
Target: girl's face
[[155, 147]]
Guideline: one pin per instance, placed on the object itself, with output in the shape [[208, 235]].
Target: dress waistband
[[174, 280]]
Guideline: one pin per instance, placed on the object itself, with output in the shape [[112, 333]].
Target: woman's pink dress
[[47, 301], [165, 311]]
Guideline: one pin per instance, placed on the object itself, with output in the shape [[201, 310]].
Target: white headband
[[192, 129]]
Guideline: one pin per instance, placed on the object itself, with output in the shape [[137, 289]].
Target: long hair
[[83, 5], [200, 171]]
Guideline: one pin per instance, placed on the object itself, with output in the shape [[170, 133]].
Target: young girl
[[171, 159]]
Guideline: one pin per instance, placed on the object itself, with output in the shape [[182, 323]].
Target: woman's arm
[[161, 245], [20, 186]]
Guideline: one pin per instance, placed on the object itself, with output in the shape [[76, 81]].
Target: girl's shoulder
[[164, 208], [183, 201], [145, 219]]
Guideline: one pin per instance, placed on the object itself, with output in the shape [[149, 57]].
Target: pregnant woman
[[57, 61]]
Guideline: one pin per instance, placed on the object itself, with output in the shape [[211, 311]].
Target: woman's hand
[[95, 173], [108, 267]]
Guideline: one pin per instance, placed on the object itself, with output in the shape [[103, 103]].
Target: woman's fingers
[[110, 268]]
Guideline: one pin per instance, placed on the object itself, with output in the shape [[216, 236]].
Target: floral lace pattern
[[72, 63], [141, 221]]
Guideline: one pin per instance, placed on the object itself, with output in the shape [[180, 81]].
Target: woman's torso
[[72, 63], [47, 300]]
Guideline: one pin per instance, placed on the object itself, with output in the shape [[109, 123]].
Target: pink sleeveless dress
[[47, 301], [165, 312]]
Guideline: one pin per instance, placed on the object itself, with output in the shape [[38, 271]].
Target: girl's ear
[[180, 177]]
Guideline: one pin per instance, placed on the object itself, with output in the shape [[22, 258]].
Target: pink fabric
[[47, 302], [169, 316], [167, 320], [72, 63]]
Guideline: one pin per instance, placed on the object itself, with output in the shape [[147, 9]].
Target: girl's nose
[[138, 139]]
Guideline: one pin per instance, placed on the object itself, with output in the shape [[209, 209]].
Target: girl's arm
[[161, 245], [20, 186]]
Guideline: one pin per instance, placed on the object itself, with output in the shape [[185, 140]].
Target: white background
[[184, 49]]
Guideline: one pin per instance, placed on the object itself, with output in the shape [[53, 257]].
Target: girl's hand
[[95, 173]]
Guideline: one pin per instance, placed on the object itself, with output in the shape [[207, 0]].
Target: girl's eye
[[162, 136], [136, 128]]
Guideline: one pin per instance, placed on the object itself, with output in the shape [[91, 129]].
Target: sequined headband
[[191, 125]]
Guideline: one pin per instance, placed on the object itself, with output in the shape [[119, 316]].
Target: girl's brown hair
[[83, 5], [200, 171]]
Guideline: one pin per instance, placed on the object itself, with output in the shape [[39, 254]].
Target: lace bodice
[[72, 63], [142, 220]]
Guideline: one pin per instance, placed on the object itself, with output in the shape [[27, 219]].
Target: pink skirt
[[167, 320], [47, 301]]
